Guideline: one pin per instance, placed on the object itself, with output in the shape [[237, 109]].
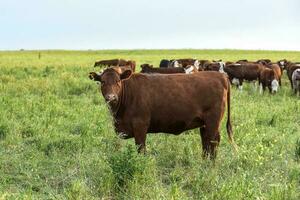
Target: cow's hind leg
[[210, 136]]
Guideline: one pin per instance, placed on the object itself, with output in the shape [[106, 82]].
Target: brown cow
[[174, 103], [268, 78], [239, 72], [146, 68], [188, 61], [215, 66], [275, 66], [112, 62]]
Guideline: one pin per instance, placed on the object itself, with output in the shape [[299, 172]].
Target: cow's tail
[[228, 124]]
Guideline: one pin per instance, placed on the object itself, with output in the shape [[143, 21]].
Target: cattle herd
[[182, 94]]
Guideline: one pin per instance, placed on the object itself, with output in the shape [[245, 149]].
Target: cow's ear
[[95, 76], [126, 74]]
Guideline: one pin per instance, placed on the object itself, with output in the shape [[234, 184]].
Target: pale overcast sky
[[147, 24]]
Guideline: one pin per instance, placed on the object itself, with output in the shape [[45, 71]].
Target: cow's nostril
[[110, 97]]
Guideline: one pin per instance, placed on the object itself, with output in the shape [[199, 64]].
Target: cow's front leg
[[140, 132]]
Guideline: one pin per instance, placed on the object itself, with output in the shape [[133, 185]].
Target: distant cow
[[174, 103], [296, 81], [282, 64], [239, 72], [215, 66], [116, 62], [264, 61], [268, 79], [112, 62], [242, 61], [277, 69], [188, 61], [146, 68]]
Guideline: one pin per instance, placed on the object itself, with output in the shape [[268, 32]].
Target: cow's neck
[[116, 110]]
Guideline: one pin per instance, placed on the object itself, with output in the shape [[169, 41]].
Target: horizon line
[[148, 49]]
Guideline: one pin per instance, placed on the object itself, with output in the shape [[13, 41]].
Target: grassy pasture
[[57, 140]]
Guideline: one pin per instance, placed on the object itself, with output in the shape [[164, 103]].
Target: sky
[[150, 24]]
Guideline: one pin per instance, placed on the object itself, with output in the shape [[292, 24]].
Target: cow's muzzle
[[111, 98]]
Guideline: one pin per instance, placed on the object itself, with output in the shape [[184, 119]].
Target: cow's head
[[272, 81], [111, 82], [282, 64], [222, 67]]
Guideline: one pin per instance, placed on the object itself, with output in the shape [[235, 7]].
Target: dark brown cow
[[174, 103], [146, 68], [214, 66], [268, 79], [239, 72]]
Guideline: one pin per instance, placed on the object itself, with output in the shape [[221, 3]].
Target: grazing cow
[[112, 62], [116, 62], [237, 73], [268, 79], [296, 81], [164, 63], [174, 103]]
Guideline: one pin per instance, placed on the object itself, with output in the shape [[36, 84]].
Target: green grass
[[57, 139]]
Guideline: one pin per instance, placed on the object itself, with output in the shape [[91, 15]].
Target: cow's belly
[[174, 126]]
